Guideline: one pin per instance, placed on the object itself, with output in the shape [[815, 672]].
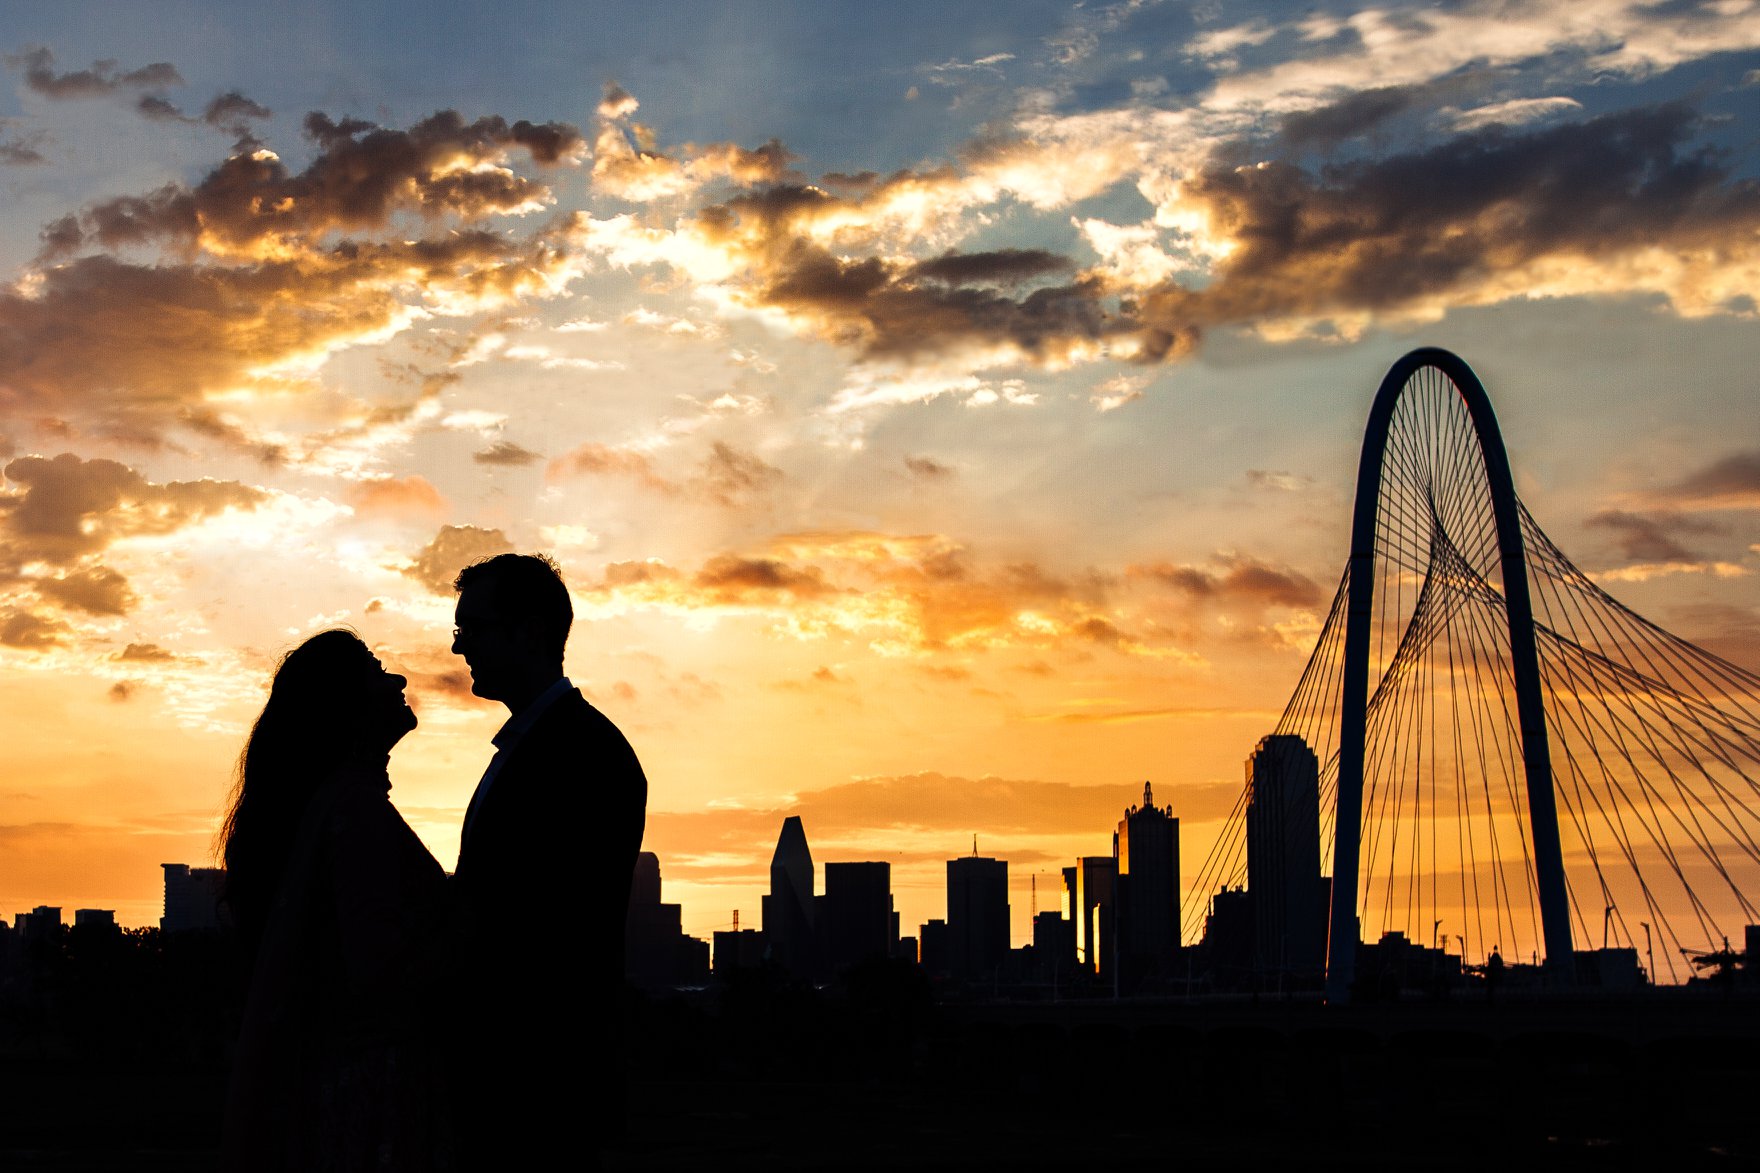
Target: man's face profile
[[488, 647]]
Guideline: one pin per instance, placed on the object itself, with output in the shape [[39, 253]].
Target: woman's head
[[331, 705]]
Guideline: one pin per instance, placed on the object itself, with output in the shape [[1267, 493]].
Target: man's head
[[511, 625]]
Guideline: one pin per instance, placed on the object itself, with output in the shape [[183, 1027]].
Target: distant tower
[[1147, 852], [977, 915], [859, 924], [1093, 887], [192, 898], [788, 910], [1283, 856]]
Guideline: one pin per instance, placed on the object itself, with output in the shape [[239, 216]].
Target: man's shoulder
[[572, 725]]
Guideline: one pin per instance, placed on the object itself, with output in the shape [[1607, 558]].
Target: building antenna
[[974, 843], [1034, 878], [736, 920]]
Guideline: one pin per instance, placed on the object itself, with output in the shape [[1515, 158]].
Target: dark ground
[[774, 1079]]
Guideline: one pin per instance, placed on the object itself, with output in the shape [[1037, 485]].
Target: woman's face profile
[[388, 715]]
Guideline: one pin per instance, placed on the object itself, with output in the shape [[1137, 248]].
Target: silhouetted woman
[[340, 905]]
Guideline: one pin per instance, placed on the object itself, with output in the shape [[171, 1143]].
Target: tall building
[[656, 951], [192, 898], [1146, 848], [1089, 888], [788, 909], [857, 922], [1283, 857], [977, 916]]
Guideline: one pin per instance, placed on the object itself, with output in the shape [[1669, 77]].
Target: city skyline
[[945, 424]]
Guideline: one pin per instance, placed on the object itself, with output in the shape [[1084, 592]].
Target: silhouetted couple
[[398, 1019]]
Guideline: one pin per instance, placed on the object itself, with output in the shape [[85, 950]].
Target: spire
[[1148, 800]]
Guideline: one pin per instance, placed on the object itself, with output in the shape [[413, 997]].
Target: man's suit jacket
[[542, 888]]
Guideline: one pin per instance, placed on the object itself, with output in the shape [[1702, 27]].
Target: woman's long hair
[[312, 724]]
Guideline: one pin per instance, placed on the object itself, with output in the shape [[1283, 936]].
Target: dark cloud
[[123, 690], [103, 77], [885, 307], [1733, 481], [158, 109], [730, 579], [925, 469], [1007, 266], [1235, 579], [1650, 537], [22, 151], [506, 452], [1377, 234], [1360, 113], [455, 547], [97, 590], [22, 629], [231, 110], [69, 508], [364, 175]]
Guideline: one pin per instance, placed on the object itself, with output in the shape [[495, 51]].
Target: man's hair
[[523, 589]]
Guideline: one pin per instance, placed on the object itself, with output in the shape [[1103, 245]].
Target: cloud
[[594, 459], [1651, 538], [732, 478], [35, 633], [1732, 482], [411, 495], [70, 507], [1513, 113], [506, 453], [103, 77], [1614, 204], [922, 468], [145, 653], [437, 564], [1234, 579], [22, 151], [255, 275], [97, 590], [901, 594]]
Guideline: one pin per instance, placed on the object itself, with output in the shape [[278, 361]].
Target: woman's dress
[[335, 1066]]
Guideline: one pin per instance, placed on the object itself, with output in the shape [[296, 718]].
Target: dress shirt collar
[[516, 726]]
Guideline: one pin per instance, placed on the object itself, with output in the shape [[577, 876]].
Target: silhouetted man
[[544, 864]]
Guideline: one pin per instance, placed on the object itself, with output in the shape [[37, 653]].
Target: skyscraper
[[977, 915], [192, 897], [1283, 856], [858, 924], [1146, 847], [1092, 903], [788, 909]]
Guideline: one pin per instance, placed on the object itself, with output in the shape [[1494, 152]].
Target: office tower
[[934, 953], [1091, 905], [656, 951], [1146, 847], [788, 909], [1054, 945], [737, 949], [977, 915], [192, 898], [1283, 856], [858, 924]]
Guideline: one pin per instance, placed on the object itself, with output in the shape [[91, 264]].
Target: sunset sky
[[946, 416]]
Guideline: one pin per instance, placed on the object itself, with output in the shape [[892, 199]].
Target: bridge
[[1504, 751]]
